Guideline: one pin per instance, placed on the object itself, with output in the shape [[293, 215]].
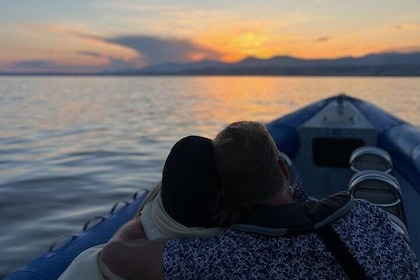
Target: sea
[[73, 146]]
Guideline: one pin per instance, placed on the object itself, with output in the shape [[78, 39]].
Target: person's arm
[[130, 255]]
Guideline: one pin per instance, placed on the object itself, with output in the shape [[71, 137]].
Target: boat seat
[[370, 158], [382, 189], [399, 226]]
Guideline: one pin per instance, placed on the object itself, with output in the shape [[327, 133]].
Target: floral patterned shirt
[[365, 229]]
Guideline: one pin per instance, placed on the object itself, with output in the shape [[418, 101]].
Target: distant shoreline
[[203, 75], [372, 65]]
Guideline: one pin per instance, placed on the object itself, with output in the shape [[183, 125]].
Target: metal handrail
[[373, 151], [380, 176]]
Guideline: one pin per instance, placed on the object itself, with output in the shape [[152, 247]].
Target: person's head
[[248, 164], [190, 183]]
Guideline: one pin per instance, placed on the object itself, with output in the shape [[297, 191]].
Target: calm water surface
[[70, 147]]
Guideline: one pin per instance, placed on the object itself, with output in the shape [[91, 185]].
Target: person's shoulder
[[366, 217], [369, 233], [368, 209]]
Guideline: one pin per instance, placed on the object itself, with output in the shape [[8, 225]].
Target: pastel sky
[[96, 35]]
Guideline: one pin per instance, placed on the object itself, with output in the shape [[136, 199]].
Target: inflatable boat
[[339, 143]]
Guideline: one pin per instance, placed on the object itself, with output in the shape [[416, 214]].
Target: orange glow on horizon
[[75, 46], [236, 48]]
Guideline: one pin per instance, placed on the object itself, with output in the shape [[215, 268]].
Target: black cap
[[190, 183]]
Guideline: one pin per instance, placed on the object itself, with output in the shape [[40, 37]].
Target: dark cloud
[[116, 64], [92, 54], [154, 50], [45, 66], [34, 64], [323, 39], [151, 51], [408, 27]]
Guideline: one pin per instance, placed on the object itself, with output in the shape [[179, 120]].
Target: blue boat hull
[[51, 265], [369, 123]]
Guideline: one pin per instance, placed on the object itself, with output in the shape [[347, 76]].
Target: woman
[[184, 205]]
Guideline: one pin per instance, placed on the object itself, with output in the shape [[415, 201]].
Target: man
[[274, 237]]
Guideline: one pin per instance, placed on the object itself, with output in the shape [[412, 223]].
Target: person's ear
[[284, 169]]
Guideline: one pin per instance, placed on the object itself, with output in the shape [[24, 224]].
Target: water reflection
[[228, 99]]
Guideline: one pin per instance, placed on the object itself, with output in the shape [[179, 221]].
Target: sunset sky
[[97, 35]]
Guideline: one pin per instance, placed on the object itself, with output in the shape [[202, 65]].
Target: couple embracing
[[225, 211]]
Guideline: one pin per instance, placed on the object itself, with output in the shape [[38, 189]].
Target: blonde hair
[[247, 161]]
